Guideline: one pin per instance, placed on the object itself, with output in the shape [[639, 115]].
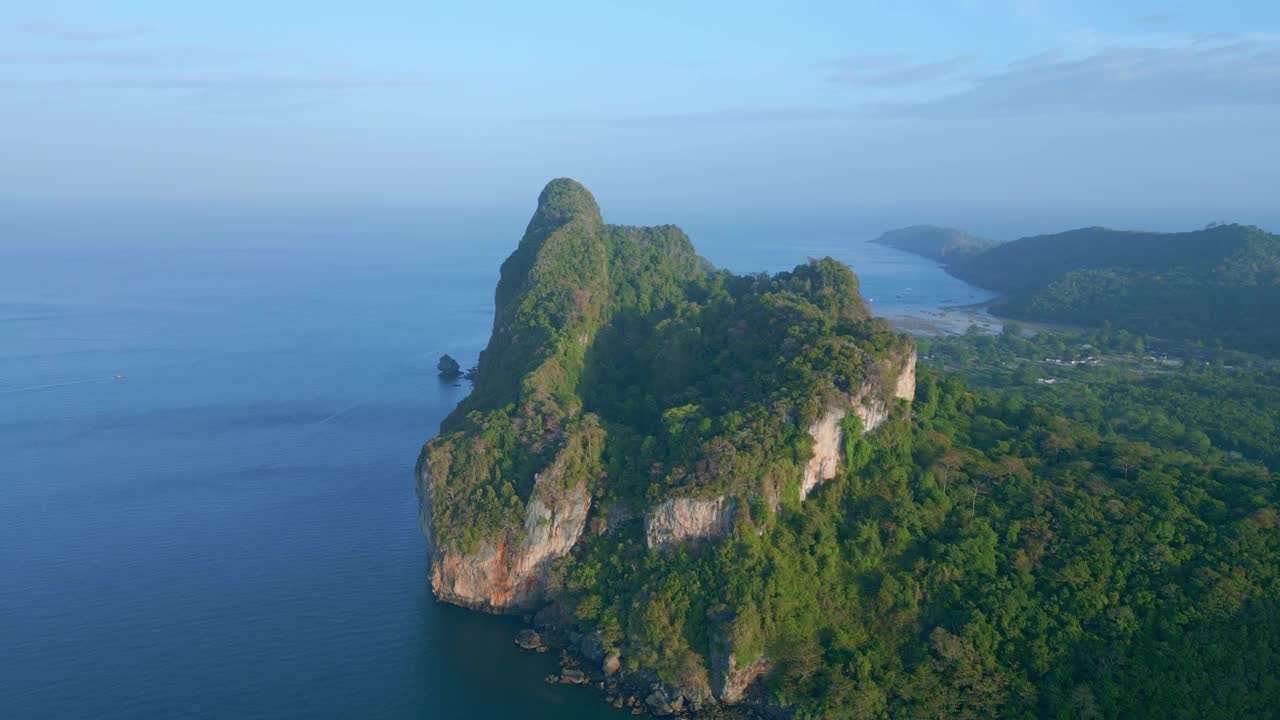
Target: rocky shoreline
[[584, 661]]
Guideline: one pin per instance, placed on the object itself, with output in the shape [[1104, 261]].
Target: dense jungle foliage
[[1217, 285], [1059, 526], [1104, 546]]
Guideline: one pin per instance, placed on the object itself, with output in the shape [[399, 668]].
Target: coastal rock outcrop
[[449, 368], [666, 699], [505, 488], [509, 575], [729, 681]]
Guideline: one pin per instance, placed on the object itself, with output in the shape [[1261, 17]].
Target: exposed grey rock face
[[528, 639], [662, 703], [665, 699], [678, 520], [730, 682], [573, 676]]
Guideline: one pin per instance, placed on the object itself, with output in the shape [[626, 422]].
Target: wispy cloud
[[724, 116], [204, 73], [228, 82], [1223, 70], [1159, 18], [1230, 72], [62, 30], [164, 57], [895, 71]]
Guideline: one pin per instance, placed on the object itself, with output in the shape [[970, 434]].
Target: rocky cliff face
[[730, 682], [905, 386], [827, 437], [509, 575], [871, 403], [680, 520], [895, 379]]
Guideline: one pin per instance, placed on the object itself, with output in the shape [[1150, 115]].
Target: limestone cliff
[[678, 520], [509, 573], [506, 487], [827, 438], [871, 403]]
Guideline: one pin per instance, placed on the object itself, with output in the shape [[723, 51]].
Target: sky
[[1086, 108]]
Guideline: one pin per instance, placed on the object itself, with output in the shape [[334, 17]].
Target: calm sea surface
[[206, 446]]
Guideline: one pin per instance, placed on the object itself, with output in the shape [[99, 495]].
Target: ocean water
[[903, 287], [207, 437]]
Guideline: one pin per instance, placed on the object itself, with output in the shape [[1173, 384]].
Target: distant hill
[[943, 244], [1219, 284]]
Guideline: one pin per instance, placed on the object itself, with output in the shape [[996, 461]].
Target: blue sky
[[1002, 105]]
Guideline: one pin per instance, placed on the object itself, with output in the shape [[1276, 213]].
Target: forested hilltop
[[943, 244], [632, 394], [1216, 285], [731, 489]]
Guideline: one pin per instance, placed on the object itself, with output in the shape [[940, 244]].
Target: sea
[[208, 427]]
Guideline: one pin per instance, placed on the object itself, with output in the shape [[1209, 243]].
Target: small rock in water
[[449, 368], [529, 640]]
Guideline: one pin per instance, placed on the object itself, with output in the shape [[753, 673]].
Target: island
[[942, 244], [1217, 285], [738, 493]]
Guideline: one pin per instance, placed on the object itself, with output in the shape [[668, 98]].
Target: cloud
[[163, 57], [1045, 57], [1159, 18], [895, 71], [724, 116], [227, 82], [61, 30], [1234, 71], [1224, 70]]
